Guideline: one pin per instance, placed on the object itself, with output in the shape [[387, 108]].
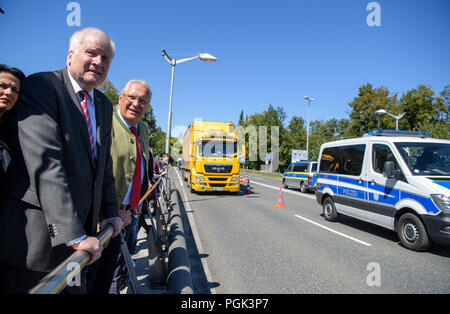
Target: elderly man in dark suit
[[61, 179]]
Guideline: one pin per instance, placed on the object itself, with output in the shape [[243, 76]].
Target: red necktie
[[88, 121], [136, 188]]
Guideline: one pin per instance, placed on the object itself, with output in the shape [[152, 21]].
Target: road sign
[[298, 155]]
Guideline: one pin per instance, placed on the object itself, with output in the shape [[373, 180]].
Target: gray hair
[[78, 36], [140, 82]]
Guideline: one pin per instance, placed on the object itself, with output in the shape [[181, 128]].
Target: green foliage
[[110, 92], [363, 117], [422, 107], [424, 111]]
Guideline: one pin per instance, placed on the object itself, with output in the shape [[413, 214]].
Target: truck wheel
[[190, 184], [283, 184], [302, 187], [329, 210], [412, 233]]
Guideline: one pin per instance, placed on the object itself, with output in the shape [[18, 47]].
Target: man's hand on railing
[[125, 219], [91, 245], [136, 211]]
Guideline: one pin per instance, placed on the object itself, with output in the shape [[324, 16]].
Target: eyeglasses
[[141, 101]]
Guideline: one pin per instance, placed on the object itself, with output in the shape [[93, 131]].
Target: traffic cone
[[246, 177], [280, 203], [240, 179], [248, 189]]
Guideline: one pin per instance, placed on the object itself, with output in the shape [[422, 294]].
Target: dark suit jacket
[[55, 193]]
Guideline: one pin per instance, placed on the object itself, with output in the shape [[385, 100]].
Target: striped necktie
[[84, 96]]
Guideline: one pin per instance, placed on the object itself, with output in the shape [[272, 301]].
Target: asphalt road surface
[[246, 245]]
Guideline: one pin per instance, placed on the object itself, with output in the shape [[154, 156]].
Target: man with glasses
[[130, 154]]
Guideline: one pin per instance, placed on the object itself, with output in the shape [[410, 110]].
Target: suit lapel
[[81, 120], [100, 116]]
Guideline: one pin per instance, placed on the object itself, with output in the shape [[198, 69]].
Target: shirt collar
[[77, 88], [126, 123]]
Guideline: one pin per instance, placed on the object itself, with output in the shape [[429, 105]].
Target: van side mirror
[[389, 169]]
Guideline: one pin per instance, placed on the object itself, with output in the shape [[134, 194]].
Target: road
[[246, 245]]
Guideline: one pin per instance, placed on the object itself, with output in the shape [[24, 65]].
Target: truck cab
[[211, 157]]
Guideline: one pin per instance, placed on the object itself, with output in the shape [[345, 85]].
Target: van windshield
[[426, 158]]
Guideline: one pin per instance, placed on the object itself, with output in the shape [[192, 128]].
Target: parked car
[[301, 175]]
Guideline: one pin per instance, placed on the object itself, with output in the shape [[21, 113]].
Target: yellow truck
[[211, 154]]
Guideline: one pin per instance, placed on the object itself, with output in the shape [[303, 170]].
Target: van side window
[[380, 154], [300, 168], [343, 160], [314, 167]]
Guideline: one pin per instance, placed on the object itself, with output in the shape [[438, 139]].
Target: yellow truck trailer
[[211, 157]]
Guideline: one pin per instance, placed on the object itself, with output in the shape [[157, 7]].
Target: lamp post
[[206, 57], [382, 111], [309, 99]]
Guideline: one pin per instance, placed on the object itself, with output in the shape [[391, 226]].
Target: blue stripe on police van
[[300, 176], [445, 184], [427, 203], [378, 194]]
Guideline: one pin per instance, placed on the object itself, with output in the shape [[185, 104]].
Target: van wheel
[[329, 210], [412, 233], [302, 187], [283, 184]]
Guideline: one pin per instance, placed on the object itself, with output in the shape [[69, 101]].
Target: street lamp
[[205, 57], [382, 111], [309, 99]]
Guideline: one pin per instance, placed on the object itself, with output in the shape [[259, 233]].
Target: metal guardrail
[[178, 276], [58, 279], [179, 279]]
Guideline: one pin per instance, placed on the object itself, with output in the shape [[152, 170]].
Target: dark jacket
[[56, 193]]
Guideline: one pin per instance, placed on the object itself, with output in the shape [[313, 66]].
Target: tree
[[445, 94], [325, 131], [423, 108], [110, 91], [363, 117], [272, 117], [297, 132], [241, 118]]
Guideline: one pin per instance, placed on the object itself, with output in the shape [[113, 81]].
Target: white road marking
[[313, 197], [179, 178], [334, 231], [197, 240]]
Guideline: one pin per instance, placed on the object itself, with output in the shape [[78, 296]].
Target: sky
[[268, 52]]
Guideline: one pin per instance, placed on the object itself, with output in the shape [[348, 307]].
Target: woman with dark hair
[[10, 82]]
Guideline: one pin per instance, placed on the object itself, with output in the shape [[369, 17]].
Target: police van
[[399, 180], [302, 174]]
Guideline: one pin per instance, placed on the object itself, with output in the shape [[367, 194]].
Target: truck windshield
[[426, 158], [218, 149]]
